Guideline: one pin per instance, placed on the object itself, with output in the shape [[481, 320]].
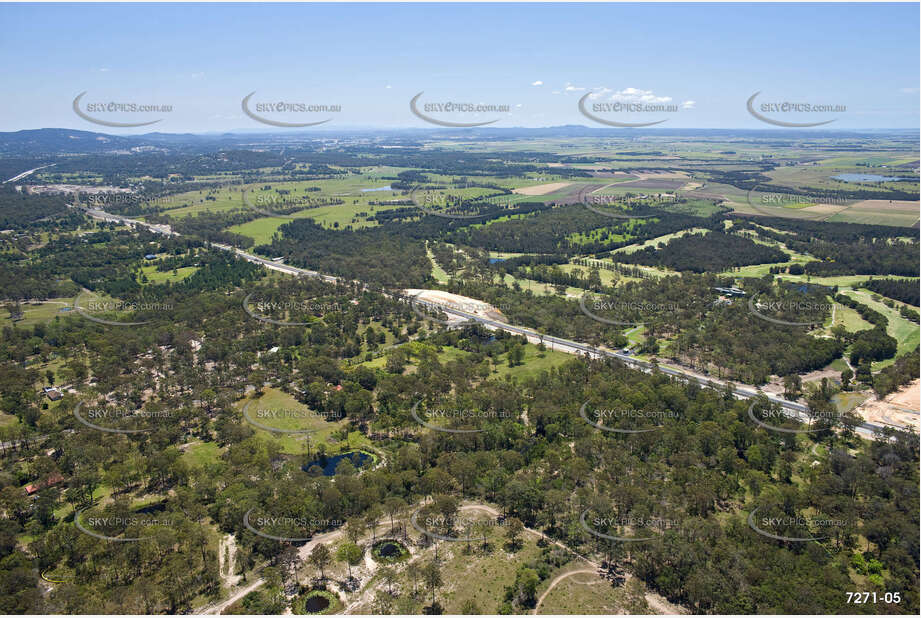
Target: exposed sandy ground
[[550, 187], [458, 302], [228, 544], [899, 409], [908, 397], [896, 205], [821, 209], [691, 186]]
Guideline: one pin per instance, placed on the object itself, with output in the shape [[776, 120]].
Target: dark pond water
[[316, 604], [357, 458], [389, 550], [866, 178]]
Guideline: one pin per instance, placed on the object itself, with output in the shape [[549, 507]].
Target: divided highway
[[791, 408]]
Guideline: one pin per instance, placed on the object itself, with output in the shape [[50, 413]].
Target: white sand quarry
[[544, 189], [457, 302]]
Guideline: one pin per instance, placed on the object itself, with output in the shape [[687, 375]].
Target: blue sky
[[538, 59]]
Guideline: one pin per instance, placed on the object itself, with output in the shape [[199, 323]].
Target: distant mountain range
[[33, 142]]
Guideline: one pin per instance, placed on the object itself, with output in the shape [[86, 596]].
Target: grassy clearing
[[841, 281], [482, 576], [202, 454], [906, 333], [582, 593], [438, 273], [37, 312], [155, 276], [654, 242], [850, 319], [534, 362], [280, 410]]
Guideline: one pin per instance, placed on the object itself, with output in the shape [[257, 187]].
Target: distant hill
[[61, 141], [43, 142]]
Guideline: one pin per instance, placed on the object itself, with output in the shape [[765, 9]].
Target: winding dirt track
[[656, 602], [553, 584]]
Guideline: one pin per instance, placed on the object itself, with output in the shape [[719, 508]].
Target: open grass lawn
[[905, 332], [438, 273], [537, 287], [608, 277], [157, 276], [534, 362], [38, 312], [290, 414], [482, 574], [582, 593], [850, 319], [653, 242], [201, 454], [841, 281]]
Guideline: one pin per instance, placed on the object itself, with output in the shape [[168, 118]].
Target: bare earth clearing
[[900, 409], [550, 187]]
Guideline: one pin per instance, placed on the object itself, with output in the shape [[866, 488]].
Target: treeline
[[905, 369], [22, 211], [844, 248], [904, 290], [873, 344], [210, 226], [374, 255], [712, 251], [552, 231]]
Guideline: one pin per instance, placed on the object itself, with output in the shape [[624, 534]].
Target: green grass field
[[155, 276], [292, 415], [905, 332], [534, 362], [37, 312], [202, 454]]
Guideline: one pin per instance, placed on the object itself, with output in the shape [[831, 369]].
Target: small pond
[[316, 604], [357, 458], [389, 550], [866, 178]]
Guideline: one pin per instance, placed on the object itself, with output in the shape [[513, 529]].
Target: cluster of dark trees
[[374, 255], [210, 225], [901, 372], [845, 248], [712, 251], [21, 211], [905, 290], [872, 344], [551, 231]]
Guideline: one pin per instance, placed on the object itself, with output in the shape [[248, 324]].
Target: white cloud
[[537, 83], [104, 70], [909, 90], [636, 95], [599, 92], [388, 86], [571, 88], [688, 104]]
